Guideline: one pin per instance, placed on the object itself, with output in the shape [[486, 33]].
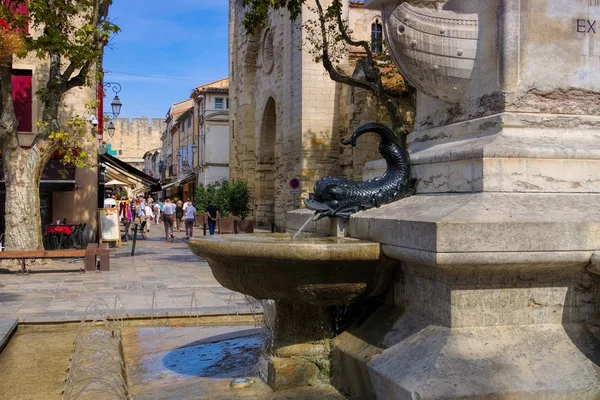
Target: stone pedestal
[[498, 283], [298, 354]]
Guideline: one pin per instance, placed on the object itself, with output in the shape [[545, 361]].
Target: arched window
[[376, 37]]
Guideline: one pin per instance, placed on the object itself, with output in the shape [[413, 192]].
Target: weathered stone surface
[[288, 373], [317, 349], [7, 328], [484, 222], [517, 362], [319, 271], [354, 348]]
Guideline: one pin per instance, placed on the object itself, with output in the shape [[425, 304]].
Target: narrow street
[[164, 279]]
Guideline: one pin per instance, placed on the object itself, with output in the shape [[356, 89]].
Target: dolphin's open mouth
[[316, 205]]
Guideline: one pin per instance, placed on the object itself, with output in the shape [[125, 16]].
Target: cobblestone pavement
[[164, 279]]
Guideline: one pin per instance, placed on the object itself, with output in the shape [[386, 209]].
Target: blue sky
[[164, 50]]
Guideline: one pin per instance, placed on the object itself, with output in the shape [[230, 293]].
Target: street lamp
[[111, 129], [116, 104]]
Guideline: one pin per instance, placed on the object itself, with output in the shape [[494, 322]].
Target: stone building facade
[[133, 138], [287, 116], [72, 197], [211, 131]]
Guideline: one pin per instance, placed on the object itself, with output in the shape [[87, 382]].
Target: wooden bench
[[35, 254], [101, 251]]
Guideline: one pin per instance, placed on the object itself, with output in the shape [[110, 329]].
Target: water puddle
[[227, 358]]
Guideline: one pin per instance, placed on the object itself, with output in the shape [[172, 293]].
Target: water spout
[[304, 226]]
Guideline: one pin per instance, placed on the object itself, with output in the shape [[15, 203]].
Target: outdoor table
[[61, 229], [56, 236]]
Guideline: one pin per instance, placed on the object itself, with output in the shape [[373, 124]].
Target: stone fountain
[[499, 281], [304, 277], [499, 277]]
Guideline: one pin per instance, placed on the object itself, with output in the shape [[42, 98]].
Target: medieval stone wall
[[133, 138]]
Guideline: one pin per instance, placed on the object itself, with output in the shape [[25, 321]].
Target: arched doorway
[[266, 167]]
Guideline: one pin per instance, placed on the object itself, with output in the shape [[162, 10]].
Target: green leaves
[[77, 30], [257, 11], [230, 197]]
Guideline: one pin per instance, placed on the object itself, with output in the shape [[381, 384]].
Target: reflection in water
[[226, 358]]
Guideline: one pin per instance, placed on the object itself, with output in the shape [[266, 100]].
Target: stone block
[[447, 227], [289, 373]]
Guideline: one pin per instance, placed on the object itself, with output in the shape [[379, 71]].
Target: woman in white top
[[149, 216]]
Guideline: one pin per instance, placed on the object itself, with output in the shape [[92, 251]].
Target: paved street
[[163, 279]]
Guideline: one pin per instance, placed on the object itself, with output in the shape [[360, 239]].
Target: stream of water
[[304, 226]]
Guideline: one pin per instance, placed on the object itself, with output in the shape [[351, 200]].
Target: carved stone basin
[[316, 270], [434, 48]]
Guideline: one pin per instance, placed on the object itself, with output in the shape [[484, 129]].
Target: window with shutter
[[22, 98]]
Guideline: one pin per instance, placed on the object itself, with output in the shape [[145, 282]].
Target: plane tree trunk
[[22, 173]]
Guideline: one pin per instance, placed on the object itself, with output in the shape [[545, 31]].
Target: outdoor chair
[[76, 237], [141, 231]]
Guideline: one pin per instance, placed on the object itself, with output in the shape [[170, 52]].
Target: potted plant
[[239, 205], [225, 223], [215, 193]]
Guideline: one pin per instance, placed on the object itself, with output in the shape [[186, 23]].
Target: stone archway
[[266, 169]]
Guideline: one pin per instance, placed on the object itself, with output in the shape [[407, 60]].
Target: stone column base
[[516, 362], [392, 357]]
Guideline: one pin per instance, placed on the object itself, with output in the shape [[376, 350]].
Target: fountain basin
[[322, 271]]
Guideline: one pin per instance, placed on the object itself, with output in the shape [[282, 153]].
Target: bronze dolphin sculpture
[[339, 197]]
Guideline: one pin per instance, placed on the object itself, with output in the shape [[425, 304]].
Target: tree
[[215, 194], [70, 35], [238, 198], [325, 35]]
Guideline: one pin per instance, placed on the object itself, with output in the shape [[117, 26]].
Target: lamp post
[[115, 111], [115, 106]]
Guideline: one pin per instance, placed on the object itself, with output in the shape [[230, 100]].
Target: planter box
[[226, 225], [244, 226]]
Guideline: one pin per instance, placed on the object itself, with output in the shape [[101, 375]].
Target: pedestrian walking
[[179, 214], [156, 210], [190, 218], [212, 213], [141, 210], [168, 215], [149, 216]]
